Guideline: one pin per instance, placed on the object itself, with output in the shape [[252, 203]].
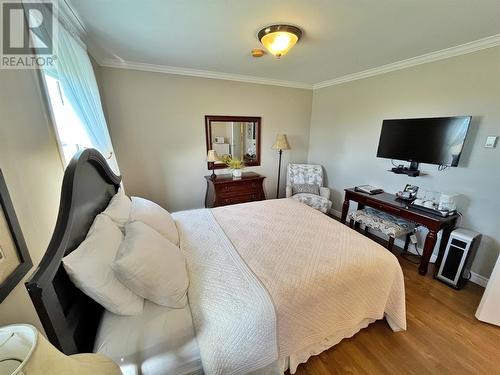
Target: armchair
[[304, 182]]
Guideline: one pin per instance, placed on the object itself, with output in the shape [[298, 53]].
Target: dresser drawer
[[225, 190], [384, 207], [229, 190], [241, 199]]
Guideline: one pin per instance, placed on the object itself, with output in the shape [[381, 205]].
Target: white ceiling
[[341, 37]]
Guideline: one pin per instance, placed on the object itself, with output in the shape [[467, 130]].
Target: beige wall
[[346, 122], [32, 168], [157, 127]]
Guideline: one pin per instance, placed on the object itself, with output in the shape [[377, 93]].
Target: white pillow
[[89, 267], [156, 217], [151, 266], [119, 208]]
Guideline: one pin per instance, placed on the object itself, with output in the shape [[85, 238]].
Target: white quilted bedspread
[[326, 280], [233, 315]]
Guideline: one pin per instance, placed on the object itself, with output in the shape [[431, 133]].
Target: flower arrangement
[[235, 164]]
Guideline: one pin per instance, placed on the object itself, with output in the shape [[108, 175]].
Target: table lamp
[[280, 145], [212, 158], [23, 351]]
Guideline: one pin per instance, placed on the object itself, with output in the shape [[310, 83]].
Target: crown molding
[[123, 64], [68, 17], [477, 45]]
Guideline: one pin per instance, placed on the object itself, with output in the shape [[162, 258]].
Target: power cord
[[394, 164], [410, 257]]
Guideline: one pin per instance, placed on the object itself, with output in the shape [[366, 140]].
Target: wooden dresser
[[225, 190]]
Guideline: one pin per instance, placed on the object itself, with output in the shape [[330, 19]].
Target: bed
[[271, 284]]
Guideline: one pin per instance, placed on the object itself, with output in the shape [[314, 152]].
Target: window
[[74, 99], [70, 131]]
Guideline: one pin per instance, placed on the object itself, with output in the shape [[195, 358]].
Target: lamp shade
[[281, 143], [17, 345], [212, 156], [24, 351]]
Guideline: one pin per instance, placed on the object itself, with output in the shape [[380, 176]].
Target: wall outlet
[[491, 142]]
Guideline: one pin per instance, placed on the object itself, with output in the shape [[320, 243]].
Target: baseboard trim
[[336, 213], [478, 279]]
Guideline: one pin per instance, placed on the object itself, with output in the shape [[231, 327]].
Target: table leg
[[345, 210], [430, 242]]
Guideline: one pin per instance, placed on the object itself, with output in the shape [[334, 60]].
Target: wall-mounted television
[[436, 140]]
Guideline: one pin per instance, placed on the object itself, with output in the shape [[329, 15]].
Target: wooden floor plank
[[443, 336]]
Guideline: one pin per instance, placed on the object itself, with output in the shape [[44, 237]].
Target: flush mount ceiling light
[[279, 39]]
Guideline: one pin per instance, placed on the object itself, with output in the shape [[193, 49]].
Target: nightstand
[[225, 190]]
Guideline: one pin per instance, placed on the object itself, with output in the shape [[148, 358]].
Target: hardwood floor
[[443, 336]]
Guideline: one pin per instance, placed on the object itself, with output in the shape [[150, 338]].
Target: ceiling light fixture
[[257, 52], [279, 39]]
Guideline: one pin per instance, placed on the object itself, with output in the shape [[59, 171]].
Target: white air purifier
[[458, 256]]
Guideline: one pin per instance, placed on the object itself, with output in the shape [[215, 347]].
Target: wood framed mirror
[[236, 136]]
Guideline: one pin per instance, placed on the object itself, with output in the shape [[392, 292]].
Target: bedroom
[[162, 66]]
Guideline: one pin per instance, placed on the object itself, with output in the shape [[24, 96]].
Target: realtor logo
[[27, 34]]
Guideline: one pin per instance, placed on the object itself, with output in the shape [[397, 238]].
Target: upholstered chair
[[304, 182]]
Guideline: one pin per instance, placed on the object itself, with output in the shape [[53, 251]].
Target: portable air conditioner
[[458, 256]]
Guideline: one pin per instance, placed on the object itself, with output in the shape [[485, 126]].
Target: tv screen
[[436, 140]]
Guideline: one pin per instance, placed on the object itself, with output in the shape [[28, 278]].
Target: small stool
[[390, 225]]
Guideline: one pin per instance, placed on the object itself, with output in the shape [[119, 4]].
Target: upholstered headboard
[[69, 317]]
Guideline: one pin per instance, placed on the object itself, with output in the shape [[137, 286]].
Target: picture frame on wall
[[15, 261]]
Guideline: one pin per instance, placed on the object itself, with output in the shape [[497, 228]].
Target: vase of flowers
[[235, 165]]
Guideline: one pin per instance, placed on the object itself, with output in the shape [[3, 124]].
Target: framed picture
[[15, 260]]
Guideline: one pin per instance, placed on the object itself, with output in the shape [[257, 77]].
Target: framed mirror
[[235, 136]]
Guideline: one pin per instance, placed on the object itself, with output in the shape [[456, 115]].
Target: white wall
[[346, 122], [30, 162], [157, 125]]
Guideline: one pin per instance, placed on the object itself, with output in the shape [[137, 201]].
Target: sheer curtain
[[77, 78], [73, 69]]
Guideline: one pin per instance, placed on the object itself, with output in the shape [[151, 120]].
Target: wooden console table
[[225, 190], [391, 204]]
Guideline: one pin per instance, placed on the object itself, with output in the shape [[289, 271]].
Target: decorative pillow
[[118, 208], [305, 188], [152, 267], [89, 267], [156, 217]]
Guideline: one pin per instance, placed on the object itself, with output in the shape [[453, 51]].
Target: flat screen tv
[[437, 140]]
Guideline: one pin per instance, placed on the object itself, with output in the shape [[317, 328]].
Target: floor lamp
[[280, 145]]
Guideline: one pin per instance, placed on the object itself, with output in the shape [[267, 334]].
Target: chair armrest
[[288, 191], [324, 192]]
